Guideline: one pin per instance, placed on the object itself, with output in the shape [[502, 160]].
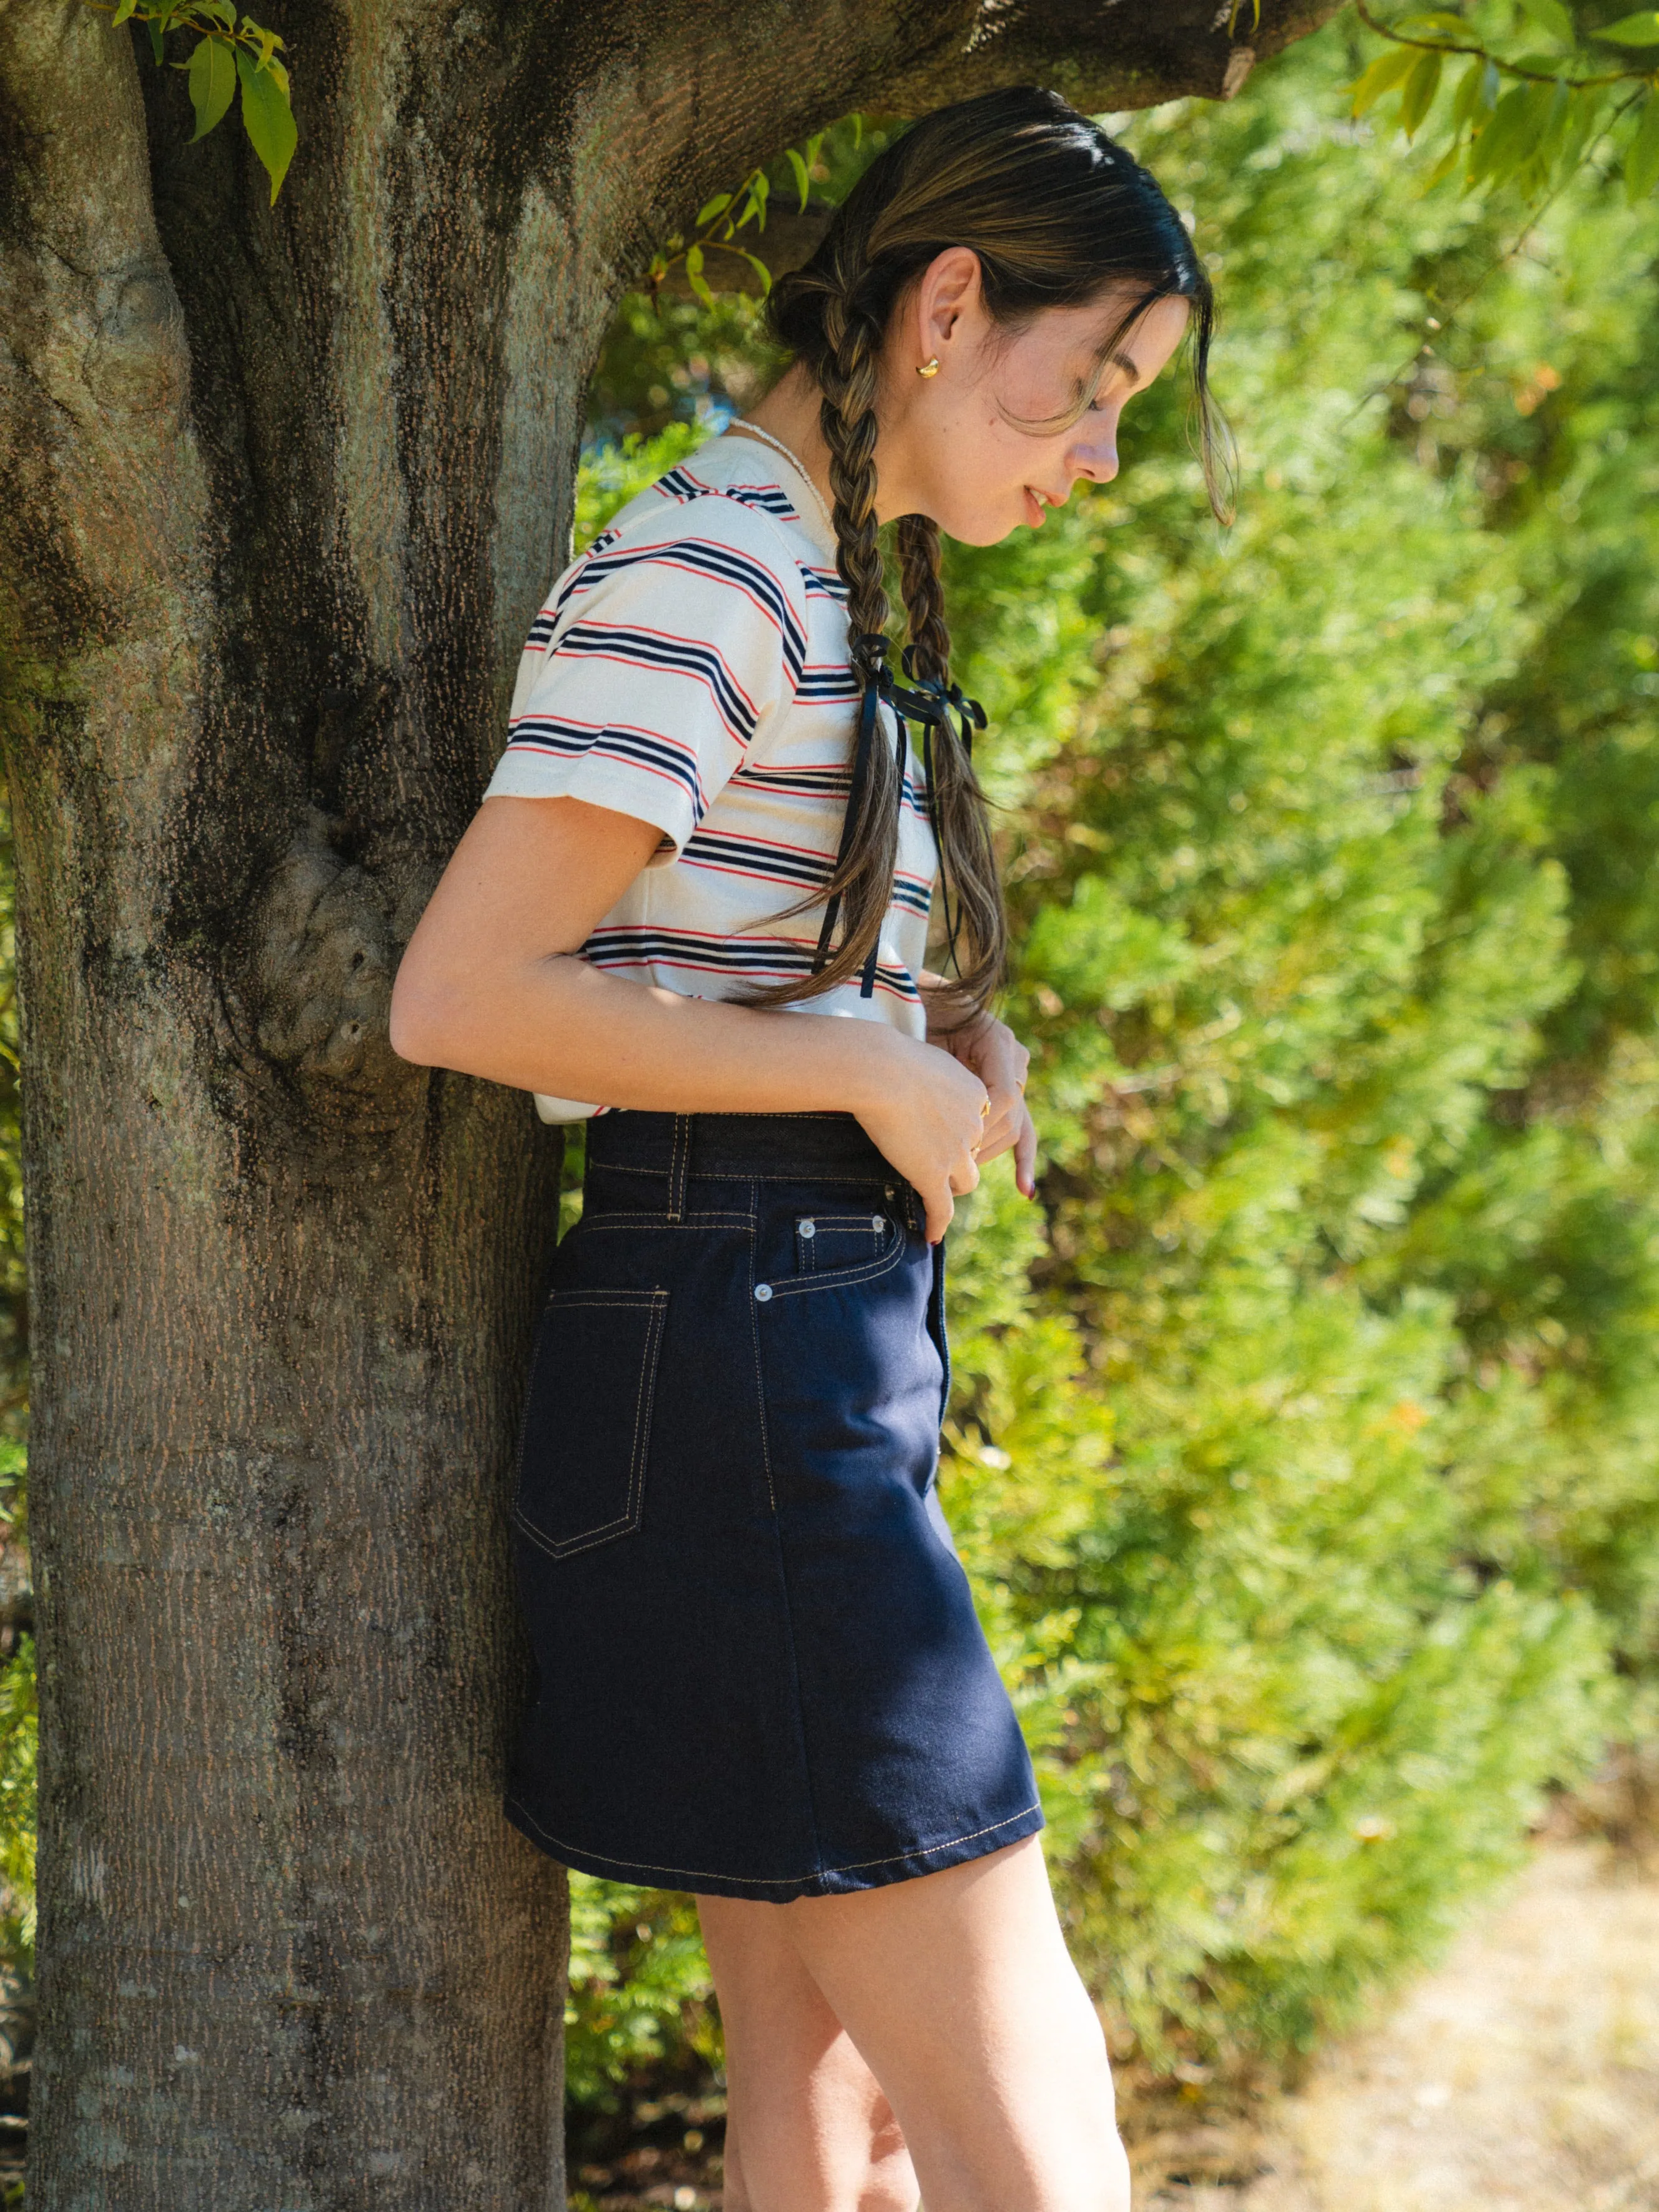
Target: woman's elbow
[[419, 1020]]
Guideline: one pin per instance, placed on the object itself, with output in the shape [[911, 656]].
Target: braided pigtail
[[1058, 217], [971, 896], [861, 885], [857, 893]]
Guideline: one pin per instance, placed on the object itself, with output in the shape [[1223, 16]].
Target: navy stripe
[[641, 748], [821, 783], [644, 948], [754, 857], [677, 483], [819, 684], [774, 864], [727, 567], [682, 656]]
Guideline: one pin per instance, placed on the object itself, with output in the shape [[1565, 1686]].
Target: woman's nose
[[1097, 460]]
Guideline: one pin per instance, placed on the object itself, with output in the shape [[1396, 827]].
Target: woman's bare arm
[[489, 985]]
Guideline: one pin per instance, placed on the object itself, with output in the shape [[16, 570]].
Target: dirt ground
[[1522, 2076]]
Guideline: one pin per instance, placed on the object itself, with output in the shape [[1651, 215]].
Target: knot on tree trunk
[[327, 934]]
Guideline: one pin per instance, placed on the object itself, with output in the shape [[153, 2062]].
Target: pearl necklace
[[754, 430]]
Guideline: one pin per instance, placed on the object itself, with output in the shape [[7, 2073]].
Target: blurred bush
[[1305, 1443]]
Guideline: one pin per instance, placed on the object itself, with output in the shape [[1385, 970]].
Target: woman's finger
[[940, 1207], [1025, 1155], [964, 1176], [997, 1140]]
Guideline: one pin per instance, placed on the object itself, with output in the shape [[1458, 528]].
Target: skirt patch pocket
[[588, 1421]]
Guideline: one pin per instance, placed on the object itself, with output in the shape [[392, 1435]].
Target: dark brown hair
[[1058, 213]]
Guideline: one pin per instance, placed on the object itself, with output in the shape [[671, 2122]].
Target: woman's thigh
[[958, 1990], [808, 2128]]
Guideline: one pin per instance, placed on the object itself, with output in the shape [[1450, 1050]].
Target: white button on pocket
[[879, 1222], [808, 1228], [762, 1292]]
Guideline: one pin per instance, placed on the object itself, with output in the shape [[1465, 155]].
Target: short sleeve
[[658, 663]]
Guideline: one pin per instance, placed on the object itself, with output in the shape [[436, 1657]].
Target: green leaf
[[1421, 87], [123, 9], [1384, 73], [1511, 137], [803, 177], [1642, 155], [155, 29], [712, 207], [1443, 167], [1584, 120], [212, 84], [267, 117], [1639, 30], [1465, 98], [759, 268], [1507, 140], [695, 276], [1434, 26], [1550, 15]]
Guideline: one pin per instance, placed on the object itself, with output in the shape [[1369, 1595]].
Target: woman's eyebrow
[[1116, 361]]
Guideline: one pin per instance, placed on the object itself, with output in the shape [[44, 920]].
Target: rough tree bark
[[281, 489]]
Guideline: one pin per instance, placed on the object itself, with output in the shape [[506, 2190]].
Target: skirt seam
[[798, 1702], [786, 1881]]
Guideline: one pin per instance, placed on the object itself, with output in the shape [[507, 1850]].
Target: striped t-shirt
[[691, 668]]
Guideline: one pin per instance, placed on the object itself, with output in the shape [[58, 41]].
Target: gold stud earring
[[928, 367]]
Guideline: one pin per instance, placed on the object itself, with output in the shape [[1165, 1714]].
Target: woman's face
[[948, 448]]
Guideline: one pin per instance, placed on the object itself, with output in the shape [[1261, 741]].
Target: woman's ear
[[948, 299]]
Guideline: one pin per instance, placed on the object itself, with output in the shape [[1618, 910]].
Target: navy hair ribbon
[[929, 703]]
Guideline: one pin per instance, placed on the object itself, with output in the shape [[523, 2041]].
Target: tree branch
[[1133, 54]]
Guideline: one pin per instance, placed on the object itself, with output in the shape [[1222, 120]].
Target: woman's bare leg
[[957, 1990], [808, 2128]]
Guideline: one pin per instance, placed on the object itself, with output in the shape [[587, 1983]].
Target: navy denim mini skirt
[[761, 1673]]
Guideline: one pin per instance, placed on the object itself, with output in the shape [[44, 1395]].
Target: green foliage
[[226, 53], [1305, 1450], [668, 360], [1553, 114], [639, 1990], [721, 221]]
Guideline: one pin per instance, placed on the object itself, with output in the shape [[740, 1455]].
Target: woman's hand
[[996, 1055], [924, 1110]]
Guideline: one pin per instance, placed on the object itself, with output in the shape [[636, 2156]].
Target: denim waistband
[[683, 1145]]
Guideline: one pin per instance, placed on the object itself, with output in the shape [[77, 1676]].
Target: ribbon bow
[[929, 703]]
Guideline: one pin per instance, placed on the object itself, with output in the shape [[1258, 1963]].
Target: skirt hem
[[824, 1882]]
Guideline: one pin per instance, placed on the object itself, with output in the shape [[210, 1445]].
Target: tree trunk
[[281, 491]]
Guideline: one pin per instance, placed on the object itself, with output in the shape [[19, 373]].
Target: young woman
[[761, 1675]]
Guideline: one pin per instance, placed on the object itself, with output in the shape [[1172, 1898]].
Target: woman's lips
[[1035, 509]]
